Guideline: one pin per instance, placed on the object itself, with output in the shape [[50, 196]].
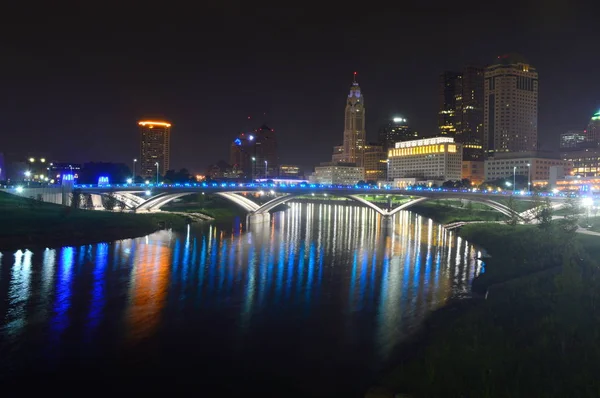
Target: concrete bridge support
[[258, 218], [387, 224]]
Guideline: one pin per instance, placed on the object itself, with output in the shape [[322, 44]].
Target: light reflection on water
[[320, 281]]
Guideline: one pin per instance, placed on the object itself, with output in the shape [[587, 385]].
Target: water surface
[[312, 304]]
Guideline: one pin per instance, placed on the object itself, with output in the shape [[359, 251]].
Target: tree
[[572, 211], [88, 203], [76, 198], [512, 205], [109, 201], [544, 215]]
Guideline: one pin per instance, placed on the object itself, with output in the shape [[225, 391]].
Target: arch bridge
[[151, 197]]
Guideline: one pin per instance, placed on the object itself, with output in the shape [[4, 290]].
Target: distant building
[[155, 147], [355, 136], [396, 130], [438, 159], [256, 153], [572, 139], [473, 170], [510, 106], [585, 162], [375, 162], [534, 165], [338, 154], [289, 170], [58, 170], [449, 89], [340, 173], [593, 130]]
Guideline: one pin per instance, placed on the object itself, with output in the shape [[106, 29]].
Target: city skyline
[[92, 88]]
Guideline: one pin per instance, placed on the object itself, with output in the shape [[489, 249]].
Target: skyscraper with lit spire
[[354, 126]]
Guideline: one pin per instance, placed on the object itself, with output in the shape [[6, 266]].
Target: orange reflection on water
[[148, 289]]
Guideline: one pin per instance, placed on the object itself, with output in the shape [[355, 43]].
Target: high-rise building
[[461, 109], [155, 147], [572, 139], [375, 162], [592, 132], [396, 130], [469, 117], [510, 106], [255, 153], [449, 89], [355, 136], [2, 168]]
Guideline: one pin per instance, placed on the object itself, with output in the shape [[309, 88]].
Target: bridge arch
[[499, 207]]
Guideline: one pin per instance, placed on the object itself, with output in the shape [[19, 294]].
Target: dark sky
[[74, 80]]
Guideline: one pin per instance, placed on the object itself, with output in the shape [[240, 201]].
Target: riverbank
[[28, 223], [536, 333]]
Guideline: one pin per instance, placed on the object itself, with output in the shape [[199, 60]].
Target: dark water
[[311, 305]]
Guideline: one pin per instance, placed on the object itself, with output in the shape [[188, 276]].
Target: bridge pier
[[258, 218], [387, 223]]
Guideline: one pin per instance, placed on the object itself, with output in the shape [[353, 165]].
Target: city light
[[148, 193], [399, 120], [43, 160], [147, 182], [587, 201], [27, 174], [251, 137], [19, 189], [154, 123], [129, 181], [32, 160]]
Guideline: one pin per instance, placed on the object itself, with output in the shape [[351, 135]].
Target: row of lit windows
[[423, 150]]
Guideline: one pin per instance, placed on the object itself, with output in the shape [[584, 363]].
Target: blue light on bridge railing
[[302, 185], [103, 180]]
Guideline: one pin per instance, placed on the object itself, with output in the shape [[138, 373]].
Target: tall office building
[[469, 107], [461, 110], [449, 89], [354, 126], [396, 130], [255, 153], [592, 133], [155, 147], [510, 106]]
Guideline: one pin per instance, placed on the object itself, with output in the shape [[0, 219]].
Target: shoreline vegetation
[[29, 223], [532, 327]]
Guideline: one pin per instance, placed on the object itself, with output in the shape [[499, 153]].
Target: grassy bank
[[445, 212], [28, 223], [536, 334]]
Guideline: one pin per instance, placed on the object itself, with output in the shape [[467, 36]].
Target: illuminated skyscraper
[[449, 89], [592, 133], [354, 126], [396, 130], [461, 109], [155, 137], [255, 153], [510, 106]]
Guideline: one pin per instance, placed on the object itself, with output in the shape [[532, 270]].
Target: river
[[313, 304]]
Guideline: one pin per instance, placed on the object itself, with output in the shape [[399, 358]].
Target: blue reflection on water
[[62, 301], [98, 299]]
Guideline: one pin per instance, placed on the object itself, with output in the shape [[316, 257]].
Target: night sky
[[75, 80]]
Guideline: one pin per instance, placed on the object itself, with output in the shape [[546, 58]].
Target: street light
[[514, 179], [156, 164], [528, 177], [253, 166], [508, 184], [133, 175], [266, 171]]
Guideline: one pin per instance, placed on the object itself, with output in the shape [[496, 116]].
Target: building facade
[[572, 139], [585, 162], [449, 89], [438, 159], [510, 106], [354, 128], [473, 170], [592, 131], [533, 165], [375, 162], [337, 174], [338, 154], [255, 154], [290, 171], [155, 139], [396, 130]]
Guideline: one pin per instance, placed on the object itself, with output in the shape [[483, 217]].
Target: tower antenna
[[355, 76]]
